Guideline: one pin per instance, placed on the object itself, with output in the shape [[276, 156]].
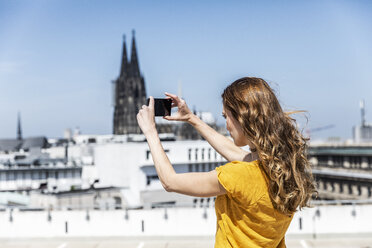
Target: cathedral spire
[[124, 60], [19, 129], [129, 96], [133, 57]]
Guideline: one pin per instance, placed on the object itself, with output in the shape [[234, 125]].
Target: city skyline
[[58, 59]]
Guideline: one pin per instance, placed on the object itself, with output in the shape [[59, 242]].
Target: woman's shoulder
[[241, 166], [242, 172], [246, 163]]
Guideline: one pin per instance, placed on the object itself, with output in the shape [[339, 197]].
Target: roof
[[341, 150], [27, 143], [83, 191], [41, 142], [10, 144], [343, 175]]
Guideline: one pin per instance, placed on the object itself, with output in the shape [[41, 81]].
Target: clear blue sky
[[58, 58]]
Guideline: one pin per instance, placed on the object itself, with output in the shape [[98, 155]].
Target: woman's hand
[[146, 118], [183, 113]]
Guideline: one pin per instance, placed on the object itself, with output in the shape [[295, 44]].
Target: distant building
[[185, 131], [363, 132], [78, 199], [130, 93], [20, 143], [342, 172]]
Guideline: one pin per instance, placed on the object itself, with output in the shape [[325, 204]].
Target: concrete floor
[[192, 242]]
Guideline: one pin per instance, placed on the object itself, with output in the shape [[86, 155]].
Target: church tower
[[130, 92], [19, 128]]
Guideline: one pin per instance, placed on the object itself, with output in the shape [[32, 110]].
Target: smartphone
[[162, 106]]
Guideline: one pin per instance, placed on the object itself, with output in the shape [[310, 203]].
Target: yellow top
[[245, 215]]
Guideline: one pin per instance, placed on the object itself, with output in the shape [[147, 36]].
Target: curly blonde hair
[[280, 146]]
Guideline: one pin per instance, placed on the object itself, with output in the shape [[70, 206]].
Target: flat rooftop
[[175, 242]]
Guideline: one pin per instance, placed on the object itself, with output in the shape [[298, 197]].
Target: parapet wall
[[320, 220]]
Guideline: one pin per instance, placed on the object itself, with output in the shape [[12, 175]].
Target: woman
[[258, 191]]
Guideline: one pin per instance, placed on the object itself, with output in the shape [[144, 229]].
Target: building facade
[[342, 172]]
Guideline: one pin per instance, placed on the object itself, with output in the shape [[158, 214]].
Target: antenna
[[179, 89], [362, 112]]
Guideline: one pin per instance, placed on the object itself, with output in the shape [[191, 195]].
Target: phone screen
[[162, 106]]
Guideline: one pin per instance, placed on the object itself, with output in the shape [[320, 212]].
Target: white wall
[[333, 220], [118, 165]]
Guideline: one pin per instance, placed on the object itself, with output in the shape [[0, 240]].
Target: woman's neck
[[253, 156]]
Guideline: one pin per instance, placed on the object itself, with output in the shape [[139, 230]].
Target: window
[[202, 151], [189, 154], [322, 160], [355, 161], [151, 178], [196, 154], [370, 162], [338, 161]]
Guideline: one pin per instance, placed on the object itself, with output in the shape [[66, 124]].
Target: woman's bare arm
[[220, 143], [203, 184]]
